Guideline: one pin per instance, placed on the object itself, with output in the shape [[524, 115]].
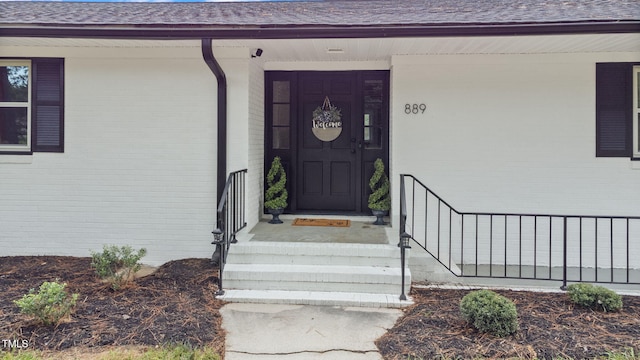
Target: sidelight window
[[373, 100], [281, 114]]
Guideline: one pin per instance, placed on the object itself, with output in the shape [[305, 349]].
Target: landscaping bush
[[275, 196], [379, 185], [50, 305], [490, 312], [117, 264], [594, 297]]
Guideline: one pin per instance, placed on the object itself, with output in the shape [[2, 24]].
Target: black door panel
[[328, 167], [330, 175]]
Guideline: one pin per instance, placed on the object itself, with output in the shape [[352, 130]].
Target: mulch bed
[[176, 304], [551, 326]]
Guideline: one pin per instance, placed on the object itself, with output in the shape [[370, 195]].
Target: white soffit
[[383, 49], [373, 49]]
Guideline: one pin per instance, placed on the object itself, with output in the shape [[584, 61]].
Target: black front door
[[326, 167], [328, 163]]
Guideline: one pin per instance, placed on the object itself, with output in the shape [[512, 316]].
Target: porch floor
[[361, 231]]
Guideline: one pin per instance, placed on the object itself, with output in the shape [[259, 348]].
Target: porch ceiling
[[378, 49], [383, 49]]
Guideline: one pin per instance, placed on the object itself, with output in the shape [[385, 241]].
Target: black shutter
[[613, 109], [47, 115]]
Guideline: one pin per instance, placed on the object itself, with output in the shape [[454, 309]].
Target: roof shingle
[[318, 13]]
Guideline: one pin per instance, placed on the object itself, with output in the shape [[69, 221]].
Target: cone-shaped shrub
[[276, 195], [379, 184]]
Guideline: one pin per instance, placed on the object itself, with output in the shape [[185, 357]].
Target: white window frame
[[636, 112], [18, 147]]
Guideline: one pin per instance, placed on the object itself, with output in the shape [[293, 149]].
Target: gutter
[[210, 60], [181, 31]]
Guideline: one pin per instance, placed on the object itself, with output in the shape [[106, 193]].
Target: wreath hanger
[[326, 105]]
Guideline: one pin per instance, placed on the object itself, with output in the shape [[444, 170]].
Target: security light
[[257, 53]]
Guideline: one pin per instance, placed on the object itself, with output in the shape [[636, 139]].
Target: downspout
[[210, 59]]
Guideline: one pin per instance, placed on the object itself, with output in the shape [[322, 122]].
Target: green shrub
[[490, 312], [276, 195], [50, 305], [379, 185], [594, 297], [117, 264]]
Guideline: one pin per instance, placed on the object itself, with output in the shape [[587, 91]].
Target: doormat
[[321, 222]]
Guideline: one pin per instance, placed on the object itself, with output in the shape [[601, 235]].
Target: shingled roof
[[320, 15]]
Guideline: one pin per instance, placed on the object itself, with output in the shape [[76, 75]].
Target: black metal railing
[[405, 237], [230, 219], [567, 248]]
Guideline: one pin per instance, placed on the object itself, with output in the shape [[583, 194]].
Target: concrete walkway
[[292, 332]]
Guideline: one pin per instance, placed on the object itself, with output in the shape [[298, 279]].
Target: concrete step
[[262, 252], [282, 271], [338, 278], [316, 298]]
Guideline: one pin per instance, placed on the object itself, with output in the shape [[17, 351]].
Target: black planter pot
[[379, 214], [276, 216]]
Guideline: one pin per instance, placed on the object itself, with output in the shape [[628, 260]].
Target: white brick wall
[[255, 179], [501, 133], [509, 134], [245, 79], [139, 162]]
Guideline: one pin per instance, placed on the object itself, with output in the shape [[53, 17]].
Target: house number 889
[[414, 108]]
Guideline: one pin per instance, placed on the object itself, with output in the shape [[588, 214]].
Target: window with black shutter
[[31, 105], [615, 110], [48, 105]]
